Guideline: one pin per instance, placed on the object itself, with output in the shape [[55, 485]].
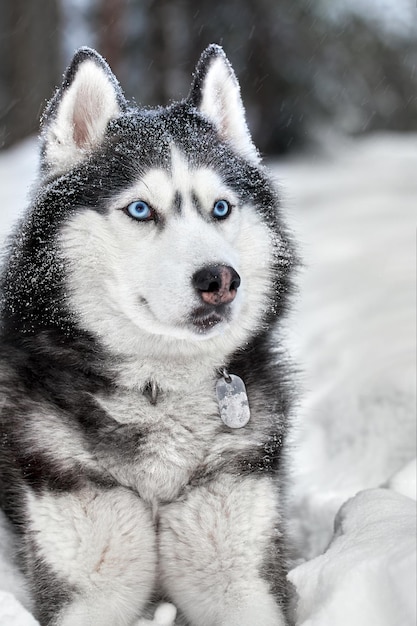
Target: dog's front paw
[[165, 615]]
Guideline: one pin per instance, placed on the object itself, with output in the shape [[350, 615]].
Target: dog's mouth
[[205, 318], [201, 320]]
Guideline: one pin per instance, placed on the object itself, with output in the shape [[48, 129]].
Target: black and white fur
[[123, 484]]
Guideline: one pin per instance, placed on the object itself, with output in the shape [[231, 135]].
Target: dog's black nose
[[217, 284]]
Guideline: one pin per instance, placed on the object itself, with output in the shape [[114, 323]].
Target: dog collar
[[231, 397], [151, 391]]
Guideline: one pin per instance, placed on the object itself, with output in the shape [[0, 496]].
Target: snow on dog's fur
[[152, 263]]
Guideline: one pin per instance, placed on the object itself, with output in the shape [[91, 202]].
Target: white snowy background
[[354, 211]]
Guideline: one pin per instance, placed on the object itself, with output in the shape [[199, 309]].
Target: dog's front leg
[[219, 553], [90, 556]]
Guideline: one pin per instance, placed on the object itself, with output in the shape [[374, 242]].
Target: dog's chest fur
[[157, 448]]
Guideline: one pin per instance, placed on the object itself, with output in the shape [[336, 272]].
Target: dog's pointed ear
[[215, 92], [75, 120]]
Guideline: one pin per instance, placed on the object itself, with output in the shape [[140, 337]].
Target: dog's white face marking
[[159, 294], [133, 278]]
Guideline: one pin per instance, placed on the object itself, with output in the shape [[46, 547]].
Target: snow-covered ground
[[354, 210]]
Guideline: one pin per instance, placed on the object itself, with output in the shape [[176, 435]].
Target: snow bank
[[12, 612], [405, 480], [354, 211], [368, 575]]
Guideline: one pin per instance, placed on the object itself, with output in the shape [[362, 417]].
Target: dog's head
[[165, 222]]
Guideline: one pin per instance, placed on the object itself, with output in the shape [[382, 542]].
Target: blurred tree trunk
[[160, 28], [111, 35], [29, 64], [168, 25]]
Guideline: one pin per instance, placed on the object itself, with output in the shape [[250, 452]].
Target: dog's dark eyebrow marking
[[197, 205], [178, 202]]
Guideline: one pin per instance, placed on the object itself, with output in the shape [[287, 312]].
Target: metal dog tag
[[233, 401]]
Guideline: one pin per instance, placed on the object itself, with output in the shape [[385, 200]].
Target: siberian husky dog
[[144, 397]]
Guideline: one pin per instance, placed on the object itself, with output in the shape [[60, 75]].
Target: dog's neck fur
[[133, 371]]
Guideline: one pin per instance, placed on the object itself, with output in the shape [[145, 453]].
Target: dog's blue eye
[[139, 210], [221, 209]]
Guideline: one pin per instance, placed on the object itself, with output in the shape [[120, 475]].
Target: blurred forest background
[[305, 66]]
